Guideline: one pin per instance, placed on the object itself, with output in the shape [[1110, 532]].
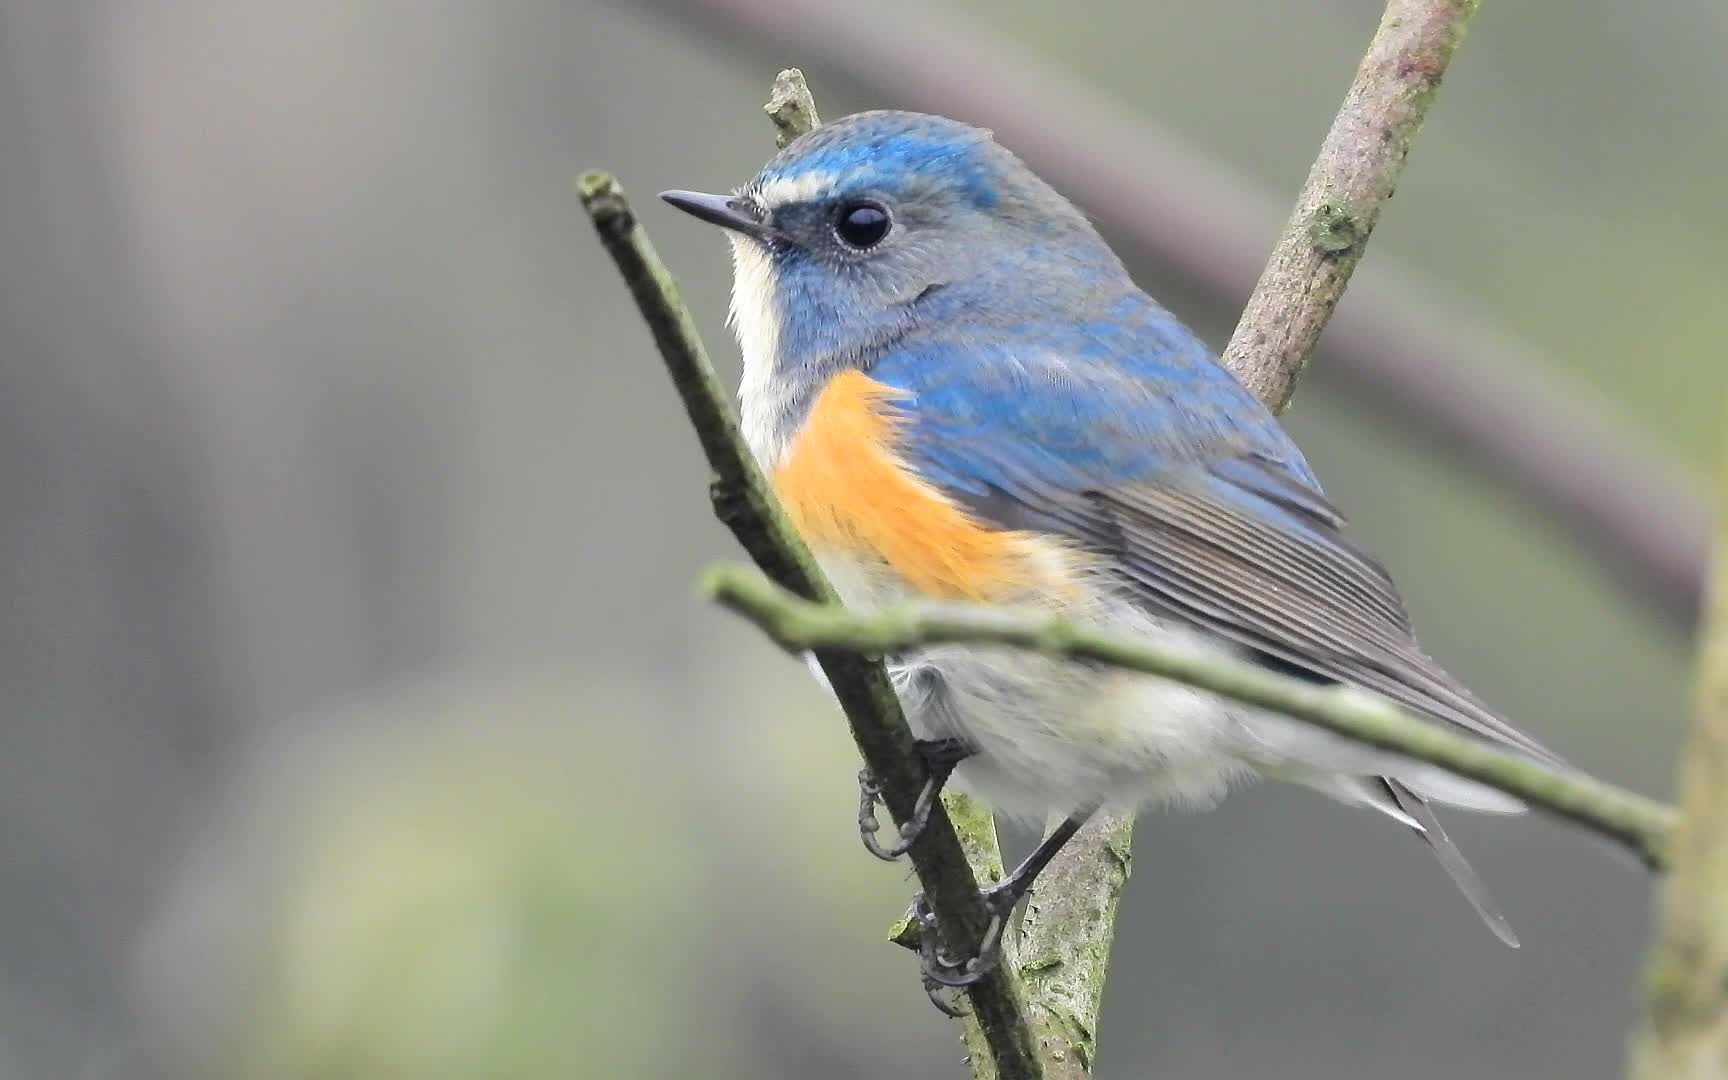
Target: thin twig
[[1358, 167], [1640, 824], [1435, 368], [743, 501], [791, 107], [1685, 1028]]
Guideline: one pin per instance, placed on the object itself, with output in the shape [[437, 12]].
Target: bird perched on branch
[[959, 395]]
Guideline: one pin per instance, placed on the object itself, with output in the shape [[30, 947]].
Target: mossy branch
[[1685, 1029], [743, 502], [1642, 825], [1358, 166]]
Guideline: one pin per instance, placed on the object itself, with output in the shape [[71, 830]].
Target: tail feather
[[1414, 808]]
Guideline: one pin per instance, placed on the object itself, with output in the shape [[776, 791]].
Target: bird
[[959, 395]]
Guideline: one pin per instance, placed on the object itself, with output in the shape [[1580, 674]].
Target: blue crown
[[889, 152]]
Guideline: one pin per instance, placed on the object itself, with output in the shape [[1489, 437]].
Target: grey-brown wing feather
[[1306, 596]]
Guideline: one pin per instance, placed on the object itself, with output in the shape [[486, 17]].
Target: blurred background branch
[[1399, 347]]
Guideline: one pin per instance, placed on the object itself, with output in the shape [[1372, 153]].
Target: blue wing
[[1128, 438]]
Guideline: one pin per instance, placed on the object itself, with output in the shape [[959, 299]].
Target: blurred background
[[358, 719]]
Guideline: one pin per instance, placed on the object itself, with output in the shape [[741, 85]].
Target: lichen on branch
[[1353, 176]]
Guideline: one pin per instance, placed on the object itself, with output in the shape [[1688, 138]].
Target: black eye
[[862, 225]]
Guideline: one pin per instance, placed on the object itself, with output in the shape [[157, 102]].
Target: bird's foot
[[942, 972], [940, 757]]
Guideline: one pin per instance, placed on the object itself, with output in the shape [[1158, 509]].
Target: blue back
[[1126, 395]]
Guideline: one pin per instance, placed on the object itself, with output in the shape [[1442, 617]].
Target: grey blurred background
[[358, 715]]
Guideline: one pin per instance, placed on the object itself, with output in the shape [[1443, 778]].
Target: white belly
[[1054, 735]]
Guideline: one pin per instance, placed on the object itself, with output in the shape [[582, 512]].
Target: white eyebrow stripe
[[786, 190]]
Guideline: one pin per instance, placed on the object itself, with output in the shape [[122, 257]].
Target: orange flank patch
[[846, 490]]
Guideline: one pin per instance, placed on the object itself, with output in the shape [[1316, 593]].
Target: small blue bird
[[959, 395]]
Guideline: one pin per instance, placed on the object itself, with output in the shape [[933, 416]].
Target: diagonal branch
[[744, 503], [1640, 824], [1354, 175], [1061, 948], [791, 108], [996, 1029]]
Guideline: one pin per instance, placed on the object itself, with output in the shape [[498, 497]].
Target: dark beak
[[726, 211]]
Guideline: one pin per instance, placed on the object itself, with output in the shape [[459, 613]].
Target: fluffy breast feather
[[851, 496]]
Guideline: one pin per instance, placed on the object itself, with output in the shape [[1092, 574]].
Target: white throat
[[764, 400]]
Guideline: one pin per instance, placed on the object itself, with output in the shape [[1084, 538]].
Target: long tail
[[1415, 808]]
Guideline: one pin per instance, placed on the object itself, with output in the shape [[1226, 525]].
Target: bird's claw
[[943, 972], [947, 1001], [940, 757], [870, 796]]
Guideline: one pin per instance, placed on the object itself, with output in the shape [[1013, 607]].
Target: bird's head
[[881, 222]]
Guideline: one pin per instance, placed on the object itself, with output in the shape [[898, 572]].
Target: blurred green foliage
[[484, 901]]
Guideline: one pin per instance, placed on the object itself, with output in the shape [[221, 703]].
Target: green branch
[[1358, 166], [1064, 938], [1640, 824]]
